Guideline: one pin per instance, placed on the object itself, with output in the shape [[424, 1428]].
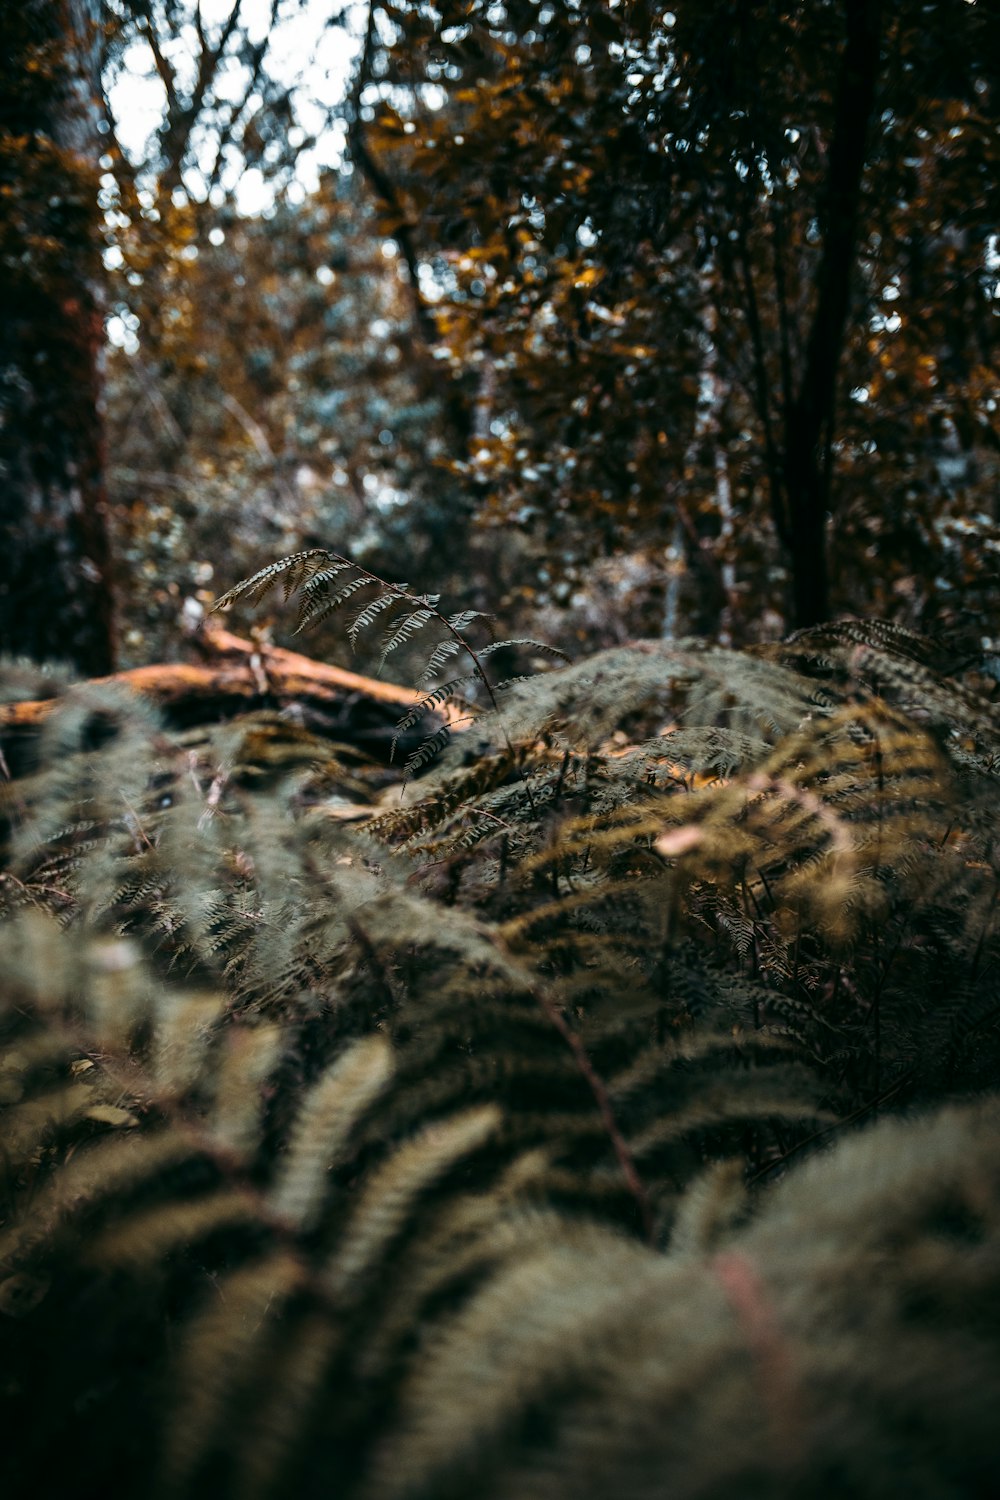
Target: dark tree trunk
[[55, 595], [808, 417], [806, 489]]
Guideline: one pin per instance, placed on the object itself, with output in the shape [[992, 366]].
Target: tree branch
[[144, 13], [384, 186]]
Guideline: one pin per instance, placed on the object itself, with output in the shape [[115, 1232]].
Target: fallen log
[[241, 675]]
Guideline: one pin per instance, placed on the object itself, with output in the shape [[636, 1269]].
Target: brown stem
[[603, 1102]]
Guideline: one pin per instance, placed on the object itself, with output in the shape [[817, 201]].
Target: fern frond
[[318, 602], [453, 793], [403, 1180], [293, 570], [372, 610], [465, 617], [31, 1126], [521, 641], [436, 698], [149, 1238], [432, 744], [442, 653], [221, 1359], [426, 751], [324, 1123], [402, 630], [395, 1160], [249, 1055]]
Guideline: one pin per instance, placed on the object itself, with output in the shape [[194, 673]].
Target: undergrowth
[[612, 1113]]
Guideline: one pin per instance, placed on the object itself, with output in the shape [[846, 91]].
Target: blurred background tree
[[268, 386], [617, 318], [730, 279], [55, 583]]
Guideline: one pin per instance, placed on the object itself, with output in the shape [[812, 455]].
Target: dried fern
[[313, 575]]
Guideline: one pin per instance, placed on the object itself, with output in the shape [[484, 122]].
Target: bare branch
[[144, 13], [383, 184]]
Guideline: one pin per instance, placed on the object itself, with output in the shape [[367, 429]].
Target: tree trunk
[[808, 416], [55, 595], [806, 488]]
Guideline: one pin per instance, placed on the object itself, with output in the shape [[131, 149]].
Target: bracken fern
[[326, 581], [507, 1143]]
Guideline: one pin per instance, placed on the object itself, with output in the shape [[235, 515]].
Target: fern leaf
[[326, 565], [291, 1387], [443, 652], [30, 1126], [534, 645], [318, 603], [247, 1060], [260, 583], [323, 1126], [183, 1023], [219, 1358], [436, 698], [110, 1168], [401, 629], [318, 580], [395, 1187], [149, 1237], [372, 610], [426, 751], [464, 618]]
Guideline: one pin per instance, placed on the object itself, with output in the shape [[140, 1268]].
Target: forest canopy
[[544, 1041], [621, 320]]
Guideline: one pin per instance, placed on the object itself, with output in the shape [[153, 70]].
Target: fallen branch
[[242, 674]]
